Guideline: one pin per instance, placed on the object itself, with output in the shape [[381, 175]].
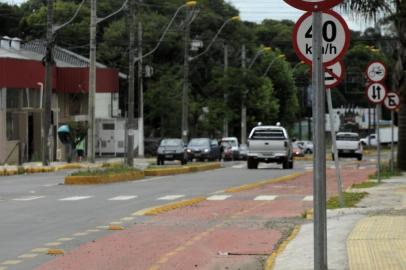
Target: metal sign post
[[319, 161], [378, 144], [392, 103], [335, 152]]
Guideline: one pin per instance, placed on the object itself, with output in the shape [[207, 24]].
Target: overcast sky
[[257, 10]]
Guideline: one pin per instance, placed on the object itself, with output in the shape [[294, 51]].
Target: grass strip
[[365, 185], [350, 200]]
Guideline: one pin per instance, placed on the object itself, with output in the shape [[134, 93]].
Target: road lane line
[[40, 250], [31, 198], [80, 234], [122, 198], [170, 197], [265, 198], [11, 262], [308, 199], [76, 198], [127, 218], [65, 239], [218, 197], [28, 256], [53, 244]]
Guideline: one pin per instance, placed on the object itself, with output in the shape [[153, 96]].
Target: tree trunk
[[400, 82]]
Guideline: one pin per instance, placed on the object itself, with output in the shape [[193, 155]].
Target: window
[[108, 126], [347, 137], [268, 134]]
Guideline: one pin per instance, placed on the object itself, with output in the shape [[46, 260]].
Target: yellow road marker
[[56, 252], [116, 228]]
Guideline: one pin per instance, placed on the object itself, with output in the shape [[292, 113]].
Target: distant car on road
[[307, 146], [243, 152], [297, 150], [203, 149], [348, 145], [227, 151], [233, 141], [171, 149]]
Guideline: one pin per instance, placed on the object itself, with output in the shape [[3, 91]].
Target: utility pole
[[225, 120], [185, 91], [140, 87], [47, 111], [244, 99], [91, 133], [131, 71]]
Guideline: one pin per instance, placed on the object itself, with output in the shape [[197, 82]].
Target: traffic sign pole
[[392, 145], [378, 143], [319, 161], [335, 152]]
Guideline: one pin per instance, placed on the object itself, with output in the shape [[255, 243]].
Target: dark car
[[171, 149], [203, 149]]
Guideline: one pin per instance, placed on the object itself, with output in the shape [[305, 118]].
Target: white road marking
[[217, 192], [308, 168], [28, 256], [265, 198], [170, 197], [50, 185], [122, 198], [218, 197], [308, 199], [127, 218], [65, 239], [80, 234], [76, 198], [33, 192], [11, 262], [239, 166], [53, 244], [31, 198], [362, 168], [40, 250]]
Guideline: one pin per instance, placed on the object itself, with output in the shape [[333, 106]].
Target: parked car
[[243, 152], [203, 149], [269, 144], [307, 146], [171, 149], [348, 145], [297, 150], [233, 141]]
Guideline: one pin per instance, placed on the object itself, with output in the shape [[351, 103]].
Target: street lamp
[[132, 61], [260, 52], [281, 56], [187, 60]]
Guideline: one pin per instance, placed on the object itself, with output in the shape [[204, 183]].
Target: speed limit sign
[[392, 101], [313, 5], [335, 33], [376, 93]]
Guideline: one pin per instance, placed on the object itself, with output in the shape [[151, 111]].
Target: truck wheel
[[359, 158], [291, 164], [285, 164], [252, 164]]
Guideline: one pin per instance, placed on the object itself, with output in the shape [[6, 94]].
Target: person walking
[[80, 150]]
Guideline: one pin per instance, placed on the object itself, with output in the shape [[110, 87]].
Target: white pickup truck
[[348, 145], [385, 137], [269, 144]]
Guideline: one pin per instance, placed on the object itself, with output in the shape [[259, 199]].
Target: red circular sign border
[[397, 107], [342, 75], [307, 6], [373, 62], [346, 44], [386, 92]]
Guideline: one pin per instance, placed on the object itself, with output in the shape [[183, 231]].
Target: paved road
[[39, 212]]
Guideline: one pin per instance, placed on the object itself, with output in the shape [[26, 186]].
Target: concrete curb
[[271, 260], [169, 207], [182, 170], [263, 183], [103, 179]]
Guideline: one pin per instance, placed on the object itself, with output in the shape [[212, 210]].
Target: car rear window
[[347, 137], [268, 134]]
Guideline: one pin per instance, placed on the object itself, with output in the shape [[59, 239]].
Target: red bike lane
[[239, 232]]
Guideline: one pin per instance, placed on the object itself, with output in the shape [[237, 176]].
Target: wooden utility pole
[[46, 99], [140, 86], [185, 92], [225, 120], [131, 88], [244, 99]]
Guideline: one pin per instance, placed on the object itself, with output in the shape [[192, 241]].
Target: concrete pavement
[[370, 237]]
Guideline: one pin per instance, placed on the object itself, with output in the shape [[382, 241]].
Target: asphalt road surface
[[38, 211]]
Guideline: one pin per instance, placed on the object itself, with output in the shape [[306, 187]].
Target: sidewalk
[[372, 236]]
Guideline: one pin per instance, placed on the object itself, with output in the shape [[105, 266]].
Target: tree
[[392, 13]]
